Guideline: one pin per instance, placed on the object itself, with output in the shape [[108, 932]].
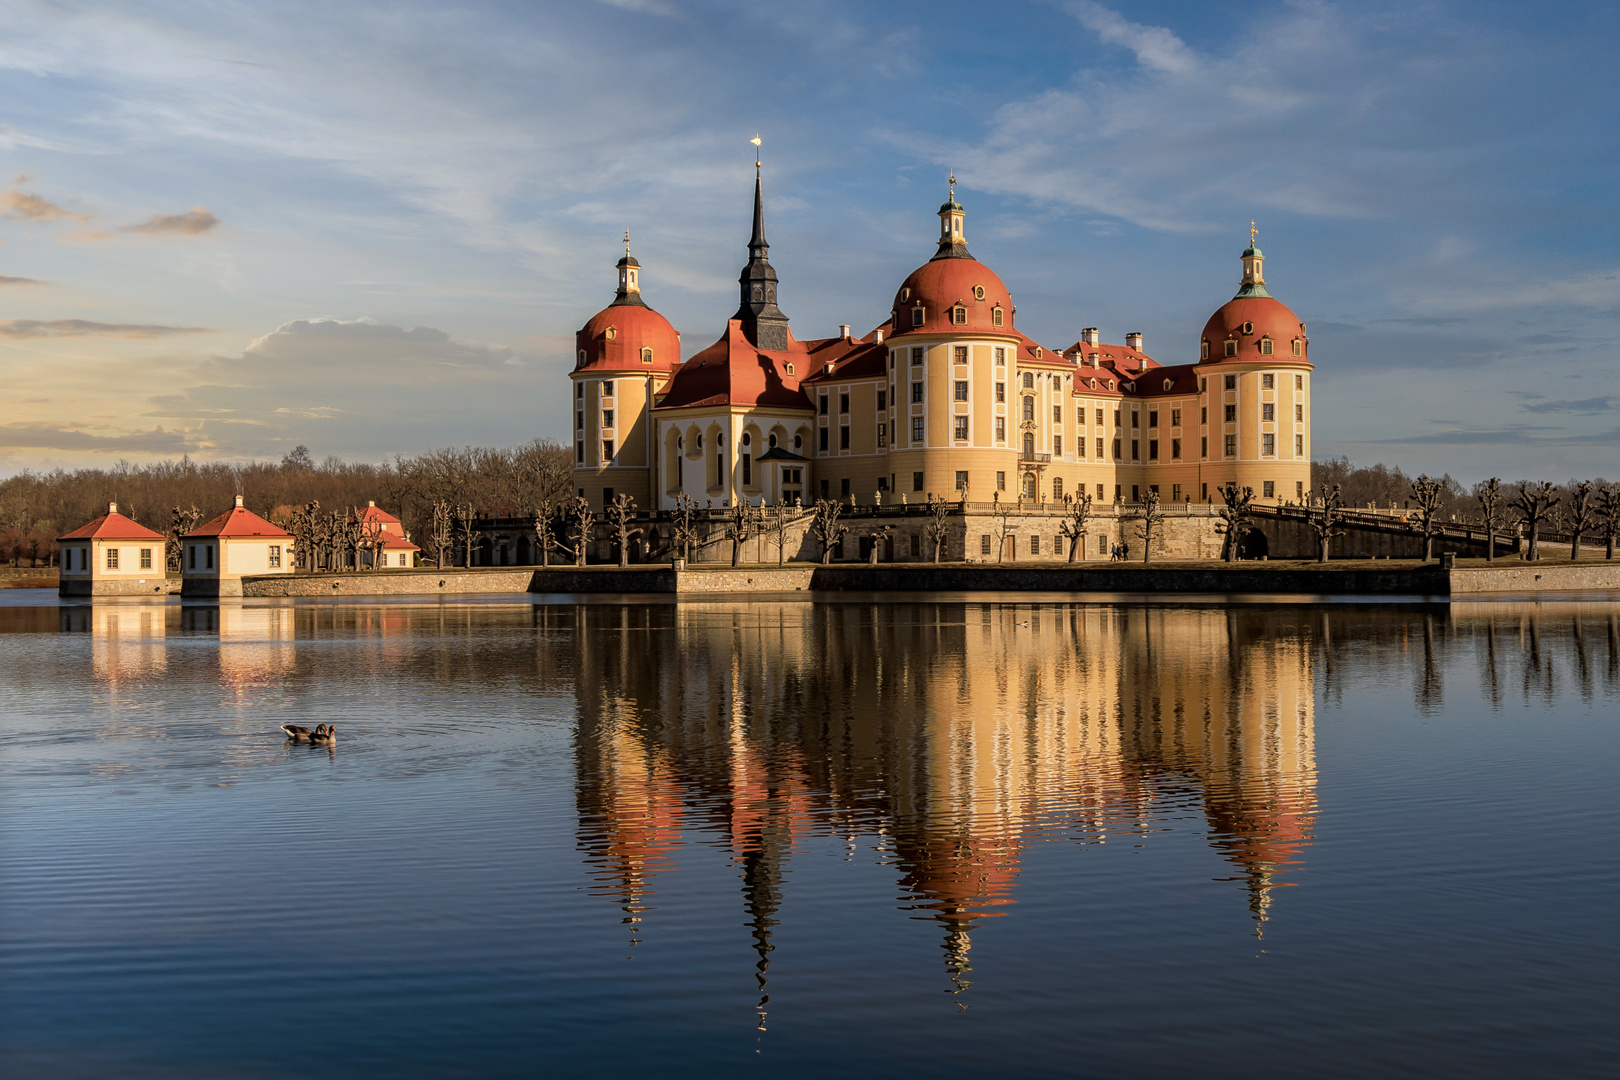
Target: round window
[[978, 292], [1248, 328]]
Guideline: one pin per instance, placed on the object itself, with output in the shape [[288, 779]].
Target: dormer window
[[1299, 347], [1091, 384], [1248, 328], [790, 372], [646, 356], [905, 294], [1203, 351], [978, 292], [582, 358], [1110, 384], [959, 315], [612, 332], [1265, 346], [996, 315], [1231, 347], [1168, 384], [1039, 352], [916, 316]]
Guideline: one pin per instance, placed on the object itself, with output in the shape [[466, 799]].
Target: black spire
[[762, 320]]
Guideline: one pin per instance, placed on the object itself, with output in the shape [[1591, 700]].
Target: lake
[[940, 835]]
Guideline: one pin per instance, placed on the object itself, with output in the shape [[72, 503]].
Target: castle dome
[[1254, 325], [953, 292], [627, 335]]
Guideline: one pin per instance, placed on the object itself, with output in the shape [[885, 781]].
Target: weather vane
[[755, 141], [627, 241], [1253, 232], [953, 183]]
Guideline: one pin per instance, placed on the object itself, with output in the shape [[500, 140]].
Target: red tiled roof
[[237, 522], [851, 358], [940, 284], [634, 326], [1268, 317], [733, 372], [112, 526]]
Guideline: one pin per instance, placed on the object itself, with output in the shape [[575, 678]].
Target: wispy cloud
[[1584, 405], [32, 206], [193, 222], [1515, 436], [56, 328], [1155, 47], [56, 437], [4, 281], [645, 7]]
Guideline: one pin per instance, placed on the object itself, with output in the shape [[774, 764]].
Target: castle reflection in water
[[956, 734]]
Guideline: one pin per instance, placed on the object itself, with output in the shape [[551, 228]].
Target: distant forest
[[36, 507]]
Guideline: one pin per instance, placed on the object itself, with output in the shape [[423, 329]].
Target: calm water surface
[[941, 837]]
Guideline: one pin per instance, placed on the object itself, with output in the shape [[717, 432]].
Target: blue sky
[[228, 229]]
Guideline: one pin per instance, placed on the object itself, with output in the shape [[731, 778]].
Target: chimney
[[112, 508], [371, 504], [1133, 340], [843, 331], [239, 501], [877, 336], [1090, 336]]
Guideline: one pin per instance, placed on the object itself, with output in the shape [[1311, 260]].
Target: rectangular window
[[1231, 382], [1231, 446], [1136, 449], [275, 556], [916, 546], [823, 444], [579, 453], [1203, 414], [984, 543], [1136, 494], [1117, 454], [1057, 415], [1203, 446], [1001, 480], [916, 393], [916, 316], [1299, 382], [607, 418], [961, 480], [1231, 414], [579, 391], [748, 468], [843, 437], [961, 390], [823, 404], [916, 430], [824, 489], [1268, 381], [1299, 489], [146, 558], [607, 388], [961, 354], [208, 556], [1175, 449], [883, 400], [916, 481], [191, 552], [1001, 357], [1001, 391], [1034, 544], [883, 434], [112, 558], [916, 356], [843, 488], [1269, 489], [1175, 492], [1029, 409], [1099, 491], [1001, 429], [1297, 349], [1099, 449], [883, 483], [1203, 492], [1175, 417], [1268, 412], [1136, 420], [1099, 418], [1057, 446], [1299, 446], [1116, 418], [1268, 445], [579, 420], [843, 404], [1153, 418], [1299, 414], [961, 427], [607, 451], [1153, 449], [1057, 488]]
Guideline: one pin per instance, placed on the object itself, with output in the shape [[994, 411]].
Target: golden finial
[[627, 241], [953, 183], [755, 141], [1253, 232]]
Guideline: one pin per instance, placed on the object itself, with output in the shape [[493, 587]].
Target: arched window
[[1029, 380], [790, 369], [646, 356], [1298, 347], [772, 441], [995, 315], [1265, 346], [1203, 351], [582, 358]]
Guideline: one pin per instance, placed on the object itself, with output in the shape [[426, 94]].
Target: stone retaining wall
[[1536, 577], [117, 587]]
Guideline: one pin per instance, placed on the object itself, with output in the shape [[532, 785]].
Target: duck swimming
[[298, 734], [324, 735]]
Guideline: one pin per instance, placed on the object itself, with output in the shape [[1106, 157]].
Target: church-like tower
[[762, 320]]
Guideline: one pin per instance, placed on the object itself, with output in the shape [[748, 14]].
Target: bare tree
[[470, 535], [937, 530], [1002, 512], [824, 526], [369, 538], [741, 523], [684, 522], [1534, 503], [1578, 518], [620, 513], [442, 530], [877, 536], [1324, 513], [181, 521], [584, 527], [1489, 495], [1076, 525], [779, 531], [1426, 497], [545, 532], [1609, 518], [1236, 514], [1148, 521]]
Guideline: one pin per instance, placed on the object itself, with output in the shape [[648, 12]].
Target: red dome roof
[[1250, 319], [939, 285], [613, 338]]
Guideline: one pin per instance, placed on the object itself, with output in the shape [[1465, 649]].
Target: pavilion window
[[961, 354], [146, 558], [112, 558]]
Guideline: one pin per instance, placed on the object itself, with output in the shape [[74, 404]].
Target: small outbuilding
[[392, 545], [216, 556], [113, 555]]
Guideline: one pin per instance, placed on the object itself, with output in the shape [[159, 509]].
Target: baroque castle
[[944, 397]]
